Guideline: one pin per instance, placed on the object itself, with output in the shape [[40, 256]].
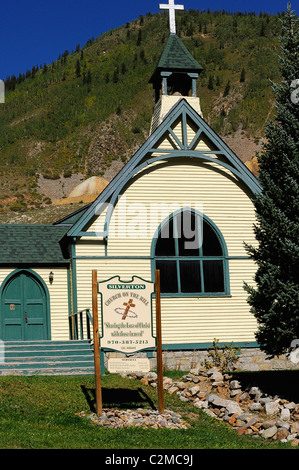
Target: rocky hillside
[[89, 111]]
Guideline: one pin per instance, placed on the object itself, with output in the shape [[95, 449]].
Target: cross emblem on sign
[[129, 305], [171, 7]]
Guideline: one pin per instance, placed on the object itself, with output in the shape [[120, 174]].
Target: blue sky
[[34, 32]]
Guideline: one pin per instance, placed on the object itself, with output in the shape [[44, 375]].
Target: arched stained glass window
[[190, 253]]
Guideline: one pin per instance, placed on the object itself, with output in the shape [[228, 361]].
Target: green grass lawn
[[40, 413]]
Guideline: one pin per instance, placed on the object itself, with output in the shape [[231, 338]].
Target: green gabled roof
[[175, 56], [32, 244]]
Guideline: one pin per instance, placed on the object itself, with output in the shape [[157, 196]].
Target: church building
[[182, 204]]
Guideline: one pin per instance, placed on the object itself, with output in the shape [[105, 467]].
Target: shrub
[[224, 356], [18, 207]]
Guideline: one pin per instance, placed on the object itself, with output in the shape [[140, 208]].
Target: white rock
[[218, 401], [236, 392], [151, 376], [201, 404], [255, 407], [295, 427], [270, 432], [235, 385], [255, 391], [217, 376], [212, 370], [181, 385], [290, 406], [195, 371], [285, 414], [182, 398], [233, 408], [194, 390], [272, 407]]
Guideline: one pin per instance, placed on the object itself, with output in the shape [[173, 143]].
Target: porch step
[[47, 358]]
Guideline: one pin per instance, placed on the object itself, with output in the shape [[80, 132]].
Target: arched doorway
[[24, 308]]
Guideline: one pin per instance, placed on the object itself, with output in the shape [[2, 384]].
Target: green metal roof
[[175, 56], [32, 244]]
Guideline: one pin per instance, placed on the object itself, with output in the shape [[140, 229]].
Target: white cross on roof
[[171, 7]]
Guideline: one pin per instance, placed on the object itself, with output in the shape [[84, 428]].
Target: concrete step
[[47, 358]]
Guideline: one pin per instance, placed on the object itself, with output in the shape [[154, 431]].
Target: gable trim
[[181, 109], [173, 155]]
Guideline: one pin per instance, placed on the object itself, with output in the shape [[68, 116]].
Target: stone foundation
[[250, 359]]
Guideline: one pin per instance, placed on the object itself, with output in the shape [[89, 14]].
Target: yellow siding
[[174, 186], [201, 319], [153, 194], [90, 247], [188, 319], [98, 225], [58, 292]]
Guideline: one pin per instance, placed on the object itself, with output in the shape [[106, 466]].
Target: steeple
[[175, 75], [176, 71]]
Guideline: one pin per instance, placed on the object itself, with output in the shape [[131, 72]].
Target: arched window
[[190, 253]]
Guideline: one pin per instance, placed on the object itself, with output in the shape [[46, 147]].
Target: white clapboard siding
[[187, 319], [92, 246], [98, 224], [173, 186], [150, 196], [201, 319]]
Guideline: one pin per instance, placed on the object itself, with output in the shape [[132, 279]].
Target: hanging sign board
[[127, 314]]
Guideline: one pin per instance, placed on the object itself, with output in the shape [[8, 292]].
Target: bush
[[67, 173], [51, 176], [18, 207], [225, 356]]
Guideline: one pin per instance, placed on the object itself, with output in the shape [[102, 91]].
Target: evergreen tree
[[227, 89], [78, 69], [211, 83], [242, 76], [139, 37], [88, 78], [275, 300], [262, 30], [115, 75]]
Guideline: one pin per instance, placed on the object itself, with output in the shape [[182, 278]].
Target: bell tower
[[175, 76]]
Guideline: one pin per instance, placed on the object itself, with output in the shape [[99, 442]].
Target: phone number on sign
[[137, 341]]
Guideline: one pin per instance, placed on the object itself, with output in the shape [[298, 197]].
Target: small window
[[190, 255]]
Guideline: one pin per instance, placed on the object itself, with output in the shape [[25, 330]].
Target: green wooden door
[[24, 309]]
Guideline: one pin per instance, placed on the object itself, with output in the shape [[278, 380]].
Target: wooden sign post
[[136, 312], [96, 339], [159, 344]]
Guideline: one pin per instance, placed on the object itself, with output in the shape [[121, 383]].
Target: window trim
[[201, 258]]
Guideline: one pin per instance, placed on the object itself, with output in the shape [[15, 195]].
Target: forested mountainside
[[89, 111]]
